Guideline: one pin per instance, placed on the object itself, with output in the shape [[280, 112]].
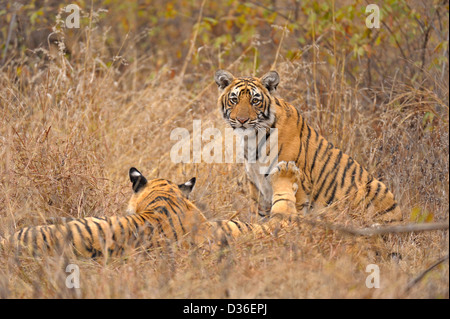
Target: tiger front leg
[[259, 205], [285, 179]]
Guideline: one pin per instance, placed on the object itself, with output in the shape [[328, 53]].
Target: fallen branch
[[372, 231], [420, 277]]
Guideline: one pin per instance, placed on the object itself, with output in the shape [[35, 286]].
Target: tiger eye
[[255, 101], [233, 100]]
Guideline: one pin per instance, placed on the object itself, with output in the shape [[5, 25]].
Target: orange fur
[[328, 176], [159, 211]]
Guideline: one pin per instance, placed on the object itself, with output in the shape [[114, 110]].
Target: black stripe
[[100, 230], [326, 162], [172, 207], [163, 210], [85, 222], [95, 254], [275, 160], [261, 143], [374, 195], [111, 251], [136, 237], [178, 211], [59, 230], [89, 247], [360, 172], [335, 168], [315, 154], [131, 220], [139, 219], [274, 124], [303, 186], [68, 236], [347, 192], [25, 235], [249, 226], [352, 181], [316, 195], [333, 193], [239, 84], [349, 164], [44, 239], [111, 228], [34, 235], [281, 199], [20, 234], [299, 152], [338, 160], [267, 107], [386, 191], [390, 208], [307, 145], [122, 229], [301, 129], [353, 175], [237, 223], [148, 224], [279, 151]]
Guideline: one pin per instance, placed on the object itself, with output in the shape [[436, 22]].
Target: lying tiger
[[326, 175], [159, 211]]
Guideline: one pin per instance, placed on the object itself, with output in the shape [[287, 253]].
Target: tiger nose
[[242, 120]]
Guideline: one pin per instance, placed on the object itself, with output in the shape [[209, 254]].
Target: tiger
[[219, 233], [325, 175], [159, 210], [216, 232]]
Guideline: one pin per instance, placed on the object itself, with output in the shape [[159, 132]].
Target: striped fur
[[327, 175], [159, 212]]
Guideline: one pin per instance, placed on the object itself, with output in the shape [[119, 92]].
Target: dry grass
[[70, 132]]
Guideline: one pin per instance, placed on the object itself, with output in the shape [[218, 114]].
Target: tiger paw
[[285, 180], [286, 173]]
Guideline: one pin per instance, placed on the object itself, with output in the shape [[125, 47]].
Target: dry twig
[[426, 271], [372, 231]]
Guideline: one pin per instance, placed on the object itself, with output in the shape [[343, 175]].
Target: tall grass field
[[90, 90]]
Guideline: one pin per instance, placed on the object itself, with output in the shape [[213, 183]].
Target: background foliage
[[412, 40]]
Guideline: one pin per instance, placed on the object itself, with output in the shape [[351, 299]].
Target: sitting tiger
[[159, 210], [324, 174]]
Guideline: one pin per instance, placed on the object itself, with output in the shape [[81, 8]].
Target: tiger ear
[[137, 179], [223, 79], [187, 187], [270, 80]]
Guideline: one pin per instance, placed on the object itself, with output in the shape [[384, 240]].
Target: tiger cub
[[165, 213], [159, 211], [325, 174]]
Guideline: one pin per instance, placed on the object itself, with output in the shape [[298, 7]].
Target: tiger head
[[148, 195], [247, 102]]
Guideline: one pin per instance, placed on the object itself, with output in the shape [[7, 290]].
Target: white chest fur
[[260, 158], [261, 182]]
